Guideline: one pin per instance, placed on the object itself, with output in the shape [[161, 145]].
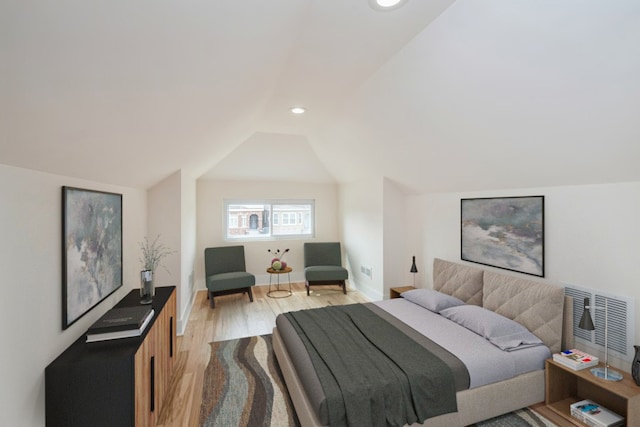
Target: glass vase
[[635, 367], [147, 291]]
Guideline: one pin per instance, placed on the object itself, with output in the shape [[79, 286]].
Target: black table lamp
[[414, 270], [586, 323]]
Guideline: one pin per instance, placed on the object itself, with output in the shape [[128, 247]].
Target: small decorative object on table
[[635, 367], [575, 359], [277, 262], [146, 286], [592, 414], [152, 254], [120, 322]]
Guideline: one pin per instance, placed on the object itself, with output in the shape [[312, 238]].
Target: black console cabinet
[[119, 382]]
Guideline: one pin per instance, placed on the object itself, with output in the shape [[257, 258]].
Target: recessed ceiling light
[[386, 4], [297, 110]]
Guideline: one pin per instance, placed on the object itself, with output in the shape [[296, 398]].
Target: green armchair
[[225, 272], [323, 265]]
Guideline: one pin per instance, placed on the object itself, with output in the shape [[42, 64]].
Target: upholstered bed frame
[[540, 307]]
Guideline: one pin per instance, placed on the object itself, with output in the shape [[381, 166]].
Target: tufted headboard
[[461, 281], [540, 307]]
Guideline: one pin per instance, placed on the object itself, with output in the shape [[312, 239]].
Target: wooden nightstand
[[395, 292], [565, 386]]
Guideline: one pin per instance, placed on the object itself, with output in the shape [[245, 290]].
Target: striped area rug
[[243, 386], [520, 418]]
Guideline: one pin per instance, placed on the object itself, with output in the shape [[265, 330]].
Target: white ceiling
[[438, 95]]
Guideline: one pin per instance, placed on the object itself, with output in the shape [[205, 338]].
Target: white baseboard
[[369, 293], [182, 322]]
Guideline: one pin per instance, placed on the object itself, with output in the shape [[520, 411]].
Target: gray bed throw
[[371, 373]]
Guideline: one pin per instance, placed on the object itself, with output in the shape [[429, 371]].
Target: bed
[[540, 307]]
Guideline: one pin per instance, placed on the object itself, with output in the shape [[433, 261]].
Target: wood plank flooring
[[233, 317]]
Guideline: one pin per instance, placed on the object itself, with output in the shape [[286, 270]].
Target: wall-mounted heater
[[621, 321]]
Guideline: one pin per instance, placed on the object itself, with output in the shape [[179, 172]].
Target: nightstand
[[565, 386], [395, 292]]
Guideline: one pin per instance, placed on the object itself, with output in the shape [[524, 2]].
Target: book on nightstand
[[575, 359], [121, 322], [595, 415]]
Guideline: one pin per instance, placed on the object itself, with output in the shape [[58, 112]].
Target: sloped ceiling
[[273, 157], [437, 95]]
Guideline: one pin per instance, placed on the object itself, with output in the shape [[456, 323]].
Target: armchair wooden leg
[[250, 294], [344, 287], [212, 302], [306, 285]]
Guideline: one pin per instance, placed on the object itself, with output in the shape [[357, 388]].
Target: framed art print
[[91, 250], [504, 232]]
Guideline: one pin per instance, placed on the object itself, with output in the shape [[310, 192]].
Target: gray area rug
[[243, 386]]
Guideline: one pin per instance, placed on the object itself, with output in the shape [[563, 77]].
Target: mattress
[[485, 362]]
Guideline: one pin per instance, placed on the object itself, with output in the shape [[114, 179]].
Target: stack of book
[[123, 322], [575, 359], [595, 415]]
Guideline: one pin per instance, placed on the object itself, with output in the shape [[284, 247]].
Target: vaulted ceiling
[[437, 95]]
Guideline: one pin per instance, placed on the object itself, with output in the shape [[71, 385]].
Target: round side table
[[273, 293]]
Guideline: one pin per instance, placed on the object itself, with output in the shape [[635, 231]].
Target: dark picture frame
[[504, 232], [91, 250]]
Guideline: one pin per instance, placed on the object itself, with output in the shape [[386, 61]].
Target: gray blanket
[[371, 372]]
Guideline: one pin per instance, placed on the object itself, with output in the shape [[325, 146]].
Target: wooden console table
[[119, 382]]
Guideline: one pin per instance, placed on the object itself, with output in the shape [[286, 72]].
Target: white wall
[[361, 207], [591, 239], [210, 221], [591, 235], [397, 257], [163, 219], [171, 216], [373, 217], [188, 249], [31, 271]]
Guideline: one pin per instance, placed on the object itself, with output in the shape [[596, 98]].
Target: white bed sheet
[[485, 362]]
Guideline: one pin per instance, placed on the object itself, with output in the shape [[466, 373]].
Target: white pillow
[[502, 332], [430, 299]]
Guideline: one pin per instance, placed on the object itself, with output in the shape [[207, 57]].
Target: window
[[259, 220]]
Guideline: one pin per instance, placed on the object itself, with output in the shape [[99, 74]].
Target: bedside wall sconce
[[414, 270]]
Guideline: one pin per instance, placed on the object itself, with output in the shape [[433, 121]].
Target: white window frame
[[280, 222]]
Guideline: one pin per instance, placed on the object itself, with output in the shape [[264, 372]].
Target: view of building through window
[[260, 220]]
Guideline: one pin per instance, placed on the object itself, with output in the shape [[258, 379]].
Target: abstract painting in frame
[[504, 232], [91, 250]]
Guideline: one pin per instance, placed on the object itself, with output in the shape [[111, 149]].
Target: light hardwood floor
[[233, 317]]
